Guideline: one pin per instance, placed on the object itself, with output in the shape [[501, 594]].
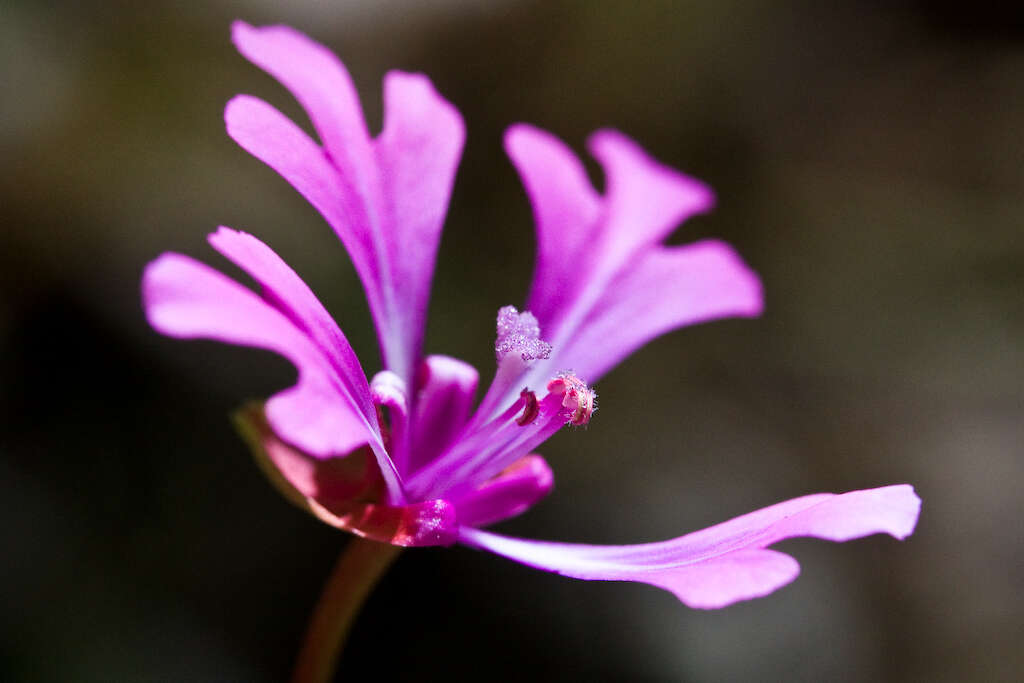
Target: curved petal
[[669, 287], [289, 294], [585, 239], [274, 139], [187, 299], [566, 210], [644, 199], [728, 562], [321, 84], [417, 153], [600, 256], [446, 387], [515, 490], [385, 198]]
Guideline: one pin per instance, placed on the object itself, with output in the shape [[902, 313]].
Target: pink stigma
[[577, 398]]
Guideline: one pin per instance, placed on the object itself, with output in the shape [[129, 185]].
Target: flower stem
[[361, 565]]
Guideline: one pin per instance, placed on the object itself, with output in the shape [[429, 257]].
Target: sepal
[[345, 492]]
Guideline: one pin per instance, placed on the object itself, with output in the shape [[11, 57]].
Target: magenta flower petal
[[510, 493], [694, 283], [728, 562], [325, 413], [447, 387], [418, 152], [289, 294], [390, 391], [567, 212], [385, 198], [186, 299], [273, 138], [319, 81], [644, 200], [600, 257]]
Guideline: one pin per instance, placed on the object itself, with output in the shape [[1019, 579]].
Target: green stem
[[360, 566]]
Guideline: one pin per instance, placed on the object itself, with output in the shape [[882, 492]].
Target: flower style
[[404, 458]]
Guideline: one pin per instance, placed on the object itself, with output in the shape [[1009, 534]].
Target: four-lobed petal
[[603, 283], [386, 197], [328, 413]]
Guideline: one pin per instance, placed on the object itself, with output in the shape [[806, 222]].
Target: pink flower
[[404, 458]]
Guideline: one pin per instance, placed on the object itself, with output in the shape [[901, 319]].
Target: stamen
[[530, 410], [519, 333], [577, 398]]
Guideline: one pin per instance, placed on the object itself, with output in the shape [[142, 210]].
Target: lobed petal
[[667, 288], [274, 139], [325, 413], [603, 283], [186, 299], [644, 199], [385, 198], [566, 210], [286, 291], [321, 84], [417, 154], [728, 562]]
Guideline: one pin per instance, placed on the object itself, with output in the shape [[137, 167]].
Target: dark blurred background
[[869, 163]]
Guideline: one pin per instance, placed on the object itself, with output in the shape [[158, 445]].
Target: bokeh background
[[869, 163]]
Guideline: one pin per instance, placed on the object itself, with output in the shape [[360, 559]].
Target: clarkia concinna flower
[[404, 457]]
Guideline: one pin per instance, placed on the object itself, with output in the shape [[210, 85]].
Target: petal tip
[[750, 302], [525, 142], [740, 284], [242, 32], [905, 500], [247, 118], [775, 570], [239, 28], [160, 278], [520, 134], [416, 94], [615, 150], [604, 140], [234, 106], [222, 233]]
